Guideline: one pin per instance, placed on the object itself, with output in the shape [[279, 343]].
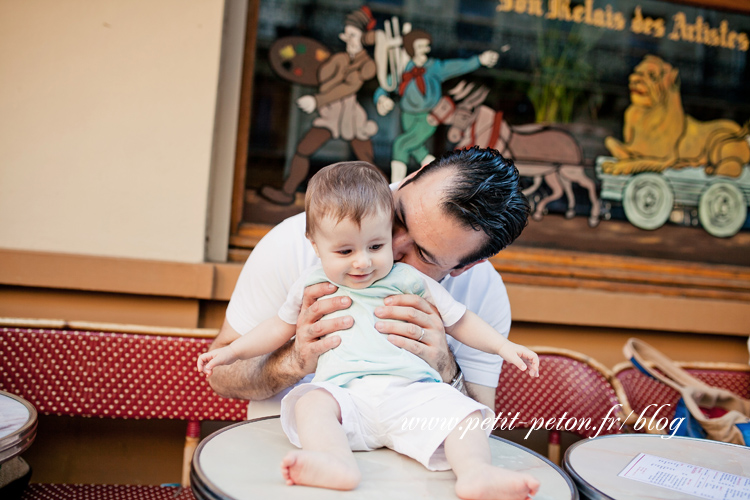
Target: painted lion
[[659, 135]]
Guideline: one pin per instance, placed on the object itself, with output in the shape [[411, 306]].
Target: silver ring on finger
[[420, 337]]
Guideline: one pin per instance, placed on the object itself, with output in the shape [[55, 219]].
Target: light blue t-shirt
[[364, 350]]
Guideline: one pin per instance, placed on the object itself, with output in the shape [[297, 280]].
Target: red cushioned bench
[[113, 375], [105, 491]]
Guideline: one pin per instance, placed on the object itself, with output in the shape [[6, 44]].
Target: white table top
[[17, 425], [243, 462], [595, 464]]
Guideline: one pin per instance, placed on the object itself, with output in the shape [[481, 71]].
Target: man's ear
[[407, 178], [461, 270]]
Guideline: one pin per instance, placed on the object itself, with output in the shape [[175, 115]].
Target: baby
[[365, 389]]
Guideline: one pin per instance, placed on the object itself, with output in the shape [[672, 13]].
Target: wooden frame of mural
[[633, 257]]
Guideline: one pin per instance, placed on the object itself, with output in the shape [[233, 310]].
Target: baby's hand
[[522, 357], [208, 360]]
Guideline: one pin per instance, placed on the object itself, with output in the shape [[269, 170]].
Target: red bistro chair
[[113, 375], [650, 398], [577, 392]]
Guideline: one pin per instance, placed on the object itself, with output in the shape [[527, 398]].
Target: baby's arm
[[263, 339], [475, 332]]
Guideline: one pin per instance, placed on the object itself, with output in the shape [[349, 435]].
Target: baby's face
[[355, 255]]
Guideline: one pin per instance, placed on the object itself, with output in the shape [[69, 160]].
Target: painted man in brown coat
[[340, 114]]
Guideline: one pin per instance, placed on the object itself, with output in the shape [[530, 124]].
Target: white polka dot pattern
[[643, 391], [566, 389], [118, 375], [104, 492]]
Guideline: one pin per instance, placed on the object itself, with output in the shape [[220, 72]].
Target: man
[[341, 116], [420, 90], [451, 216]]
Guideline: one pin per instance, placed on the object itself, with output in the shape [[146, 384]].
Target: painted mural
[[407, 73], [338, 77], [600, 139], [542, 152], [419, 89], [692, 163]]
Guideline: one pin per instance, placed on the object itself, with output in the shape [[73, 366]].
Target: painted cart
[[650, 198]]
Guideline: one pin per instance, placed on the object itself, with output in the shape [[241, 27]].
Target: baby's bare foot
[[493, 483], [321, 469]]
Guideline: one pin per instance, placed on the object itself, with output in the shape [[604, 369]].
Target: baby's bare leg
[[468, 453], [325, 459]]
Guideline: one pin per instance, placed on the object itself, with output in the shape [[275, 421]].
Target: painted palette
[[297, 59]]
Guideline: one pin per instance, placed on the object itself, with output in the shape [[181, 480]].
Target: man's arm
[[483, 292], [338, 82], [263, 339], [255, 378], [417, 315], [264, 376]]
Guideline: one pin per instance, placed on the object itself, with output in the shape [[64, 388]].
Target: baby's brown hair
[[346, 190]]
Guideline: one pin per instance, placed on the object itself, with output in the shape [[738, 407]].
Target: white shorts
[[412, 418]]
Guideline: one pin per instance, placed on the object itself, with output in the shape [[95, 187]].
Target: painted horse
[[541, 152]]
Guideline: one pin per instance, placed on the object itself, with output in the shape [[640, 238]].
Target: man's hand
[[488, 58], [307, 103], [308, 341], [420, 331], [384, 105], [265, 376]]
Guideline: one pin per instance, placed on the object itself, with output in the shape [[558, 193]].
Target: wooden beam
[[635, 311], [243, 122], [61, 324], [74, 305], [106, 274], [557, 268], [569, 269]]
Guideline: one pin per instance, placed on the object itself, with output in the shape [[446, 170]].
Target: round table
[[242, 461], [17, 425], [595, 464]]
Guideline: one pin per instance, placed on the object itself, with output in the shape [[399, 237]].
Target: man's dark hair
[[484, 194]]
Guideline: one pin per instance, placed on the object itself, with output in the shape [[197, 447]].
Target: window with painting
[[628, 119]]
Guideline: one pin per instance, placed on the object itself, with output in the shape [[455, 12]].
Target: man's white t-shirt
[[282, 256]]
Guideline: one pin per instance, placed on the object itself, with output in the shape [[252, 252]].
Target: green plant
[[560, 74]]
